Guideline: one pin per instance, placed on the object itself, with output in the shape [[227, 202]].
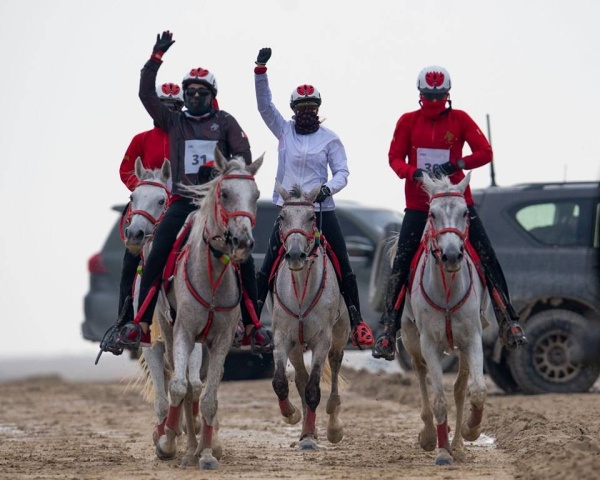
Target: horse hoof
[[427, 442], [335, 434], [307, 443], [218, 452], [162, 455], [470, 434], [207, 461], [443, 457], [294, 418]]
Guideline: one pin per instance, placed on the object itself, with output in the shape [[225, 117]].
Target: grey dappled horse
[[149, 201], [447, 306], [308, 312], [205, 293]]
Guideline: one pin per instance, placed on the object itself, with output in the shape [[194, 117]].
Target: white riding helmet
[[434, 79], [170, 92], [305, 94], [203, 76]]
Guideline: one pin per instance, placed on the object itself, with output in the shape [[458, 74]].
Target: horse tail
[[326, 377]]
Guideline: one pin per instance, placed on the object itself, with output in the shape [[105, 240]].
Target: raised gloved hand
[[163, 42], [418, 175], [263, 56], [323, 194], [443, 170], [206, 173]]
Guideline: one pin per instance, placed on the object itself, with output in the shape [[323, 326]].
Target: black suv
[[547, 238], [362, 226]]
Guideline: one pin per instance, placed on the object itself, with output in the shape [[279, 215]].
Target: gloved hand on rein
[[323, 194], [444, 169]]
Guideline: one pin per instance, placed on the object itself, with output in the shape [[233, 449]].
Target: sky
[[70, 106]]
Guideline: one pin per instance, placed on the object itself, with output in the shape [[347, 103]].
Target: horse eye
[[466, 212], [224, 195], [432, 215], [280, 217], [161, 202]]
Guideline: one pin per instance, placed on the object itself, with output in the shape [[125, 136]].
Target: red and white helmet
[[305, 94], [170, 92], [203, 76], [434, 79]]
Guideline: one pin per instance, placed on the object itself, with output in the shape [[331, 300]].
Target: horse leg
[[189, 457], [300, 374], [440, 404], [335, 427], [471, 429], [313, 395], [194, 366], [410, 339], [291, 414], [209, 404], [460, 389], [166, 447], [154, 358]]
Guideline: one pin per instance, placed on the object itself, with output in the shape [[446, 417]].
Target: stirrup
[[240, 332], [261, 341], [362, 336], [513, 335], [385, 347]]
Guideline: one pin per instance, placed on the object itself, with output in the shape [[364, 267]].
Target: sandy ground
[[54, 427]]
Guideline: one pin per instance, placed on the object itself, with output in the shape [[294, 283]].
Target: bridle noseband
[[312, 237], [126, 219]]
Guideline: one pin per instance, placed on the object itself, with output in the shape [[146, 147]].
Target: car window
[[557, 223], [265, 219]]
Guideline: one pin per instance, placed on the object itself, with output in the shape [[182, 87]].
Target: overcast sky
[[69, 108]]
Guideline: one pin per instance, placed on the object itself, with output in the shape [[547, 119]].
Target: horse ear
[[462, 185], [166, 169], [255, 165], [220, 160], [427, 183], [139, 168], [283, 193]]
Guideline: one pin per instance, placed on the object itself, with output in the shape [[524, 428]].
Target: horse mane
[[296, 191], [440, 185], [204, 198]]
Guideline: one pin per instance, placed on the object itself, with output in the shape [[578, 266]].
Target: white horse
[[205, 294], [308, 312], [447, 307], [149, 201]]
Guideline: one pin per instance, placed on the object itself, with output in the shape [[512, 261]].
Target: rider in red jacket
[[429, 141], [152, 146]]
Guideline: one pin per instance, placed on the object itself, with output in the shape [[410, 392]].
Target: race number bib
[[428, 158], [197, 153]]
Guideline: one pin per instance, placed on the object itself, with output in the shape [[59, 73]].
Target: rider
[[306, 150], [152, 146], [194, 134], [432, 138]]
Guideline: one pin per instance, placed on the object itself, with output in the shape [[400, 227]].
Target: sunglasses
[[434, 97], [191, 92]]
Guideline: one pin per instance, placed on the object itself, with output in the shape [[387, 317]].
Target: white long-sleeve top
[[302, 159]]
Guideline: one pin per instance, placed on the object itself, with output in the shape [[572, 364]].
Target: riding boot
[[128, 272], [262, 287], [385, 345], [260, 338], [510, 331], [361, 333]]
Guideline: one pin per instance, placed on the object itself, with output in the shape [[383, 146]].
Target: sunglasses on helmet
[[191, 92], [434, 97]]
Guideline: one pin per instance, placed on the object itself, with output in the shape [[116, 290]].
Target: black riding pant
[[411, 232], [162, 244]]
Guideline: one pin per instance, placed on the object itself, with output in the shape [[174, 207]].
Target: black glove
[[323, 194], [418, 175], [163, 42], [444, 170], [263, 56], [206, 173]]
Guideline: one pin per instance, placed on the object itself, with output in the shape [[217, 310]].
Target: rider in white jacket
[[306, 152]]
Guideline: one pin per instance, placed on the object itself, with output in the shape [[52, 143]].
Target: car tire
[[382, 268], [449, 362], [544, 365], [500, 373]]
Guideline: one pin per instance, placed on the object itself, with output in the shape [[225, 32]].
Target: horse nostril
[[287, 256], [444, 258], [460, 256], [303, 256]]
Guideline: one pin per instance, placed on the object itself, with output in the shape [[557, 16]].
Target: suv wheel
[[544, 365], [500, 372], [382, 268]]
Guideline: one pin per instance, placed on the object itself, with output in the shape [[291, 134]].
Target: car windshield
[[377, 218]]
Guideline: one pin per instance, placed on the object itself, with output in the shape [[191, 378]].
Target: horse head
[[448, 220], [148, 204], [228, 206], [298, 225]]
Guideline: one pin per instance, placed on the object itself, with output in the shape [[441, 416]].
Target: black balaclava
[[200, 104], [307, 121]]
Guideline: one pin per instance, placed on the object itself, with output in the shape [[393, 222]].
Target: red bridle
[[130, 213]]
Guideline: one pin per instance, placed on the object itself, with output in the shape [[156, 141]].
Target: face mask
[[198, 101], [432, 109], [307, 121]]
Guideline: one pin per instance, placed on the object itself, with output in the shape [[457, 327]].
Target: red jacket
[[152, 146], [448, 131]]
